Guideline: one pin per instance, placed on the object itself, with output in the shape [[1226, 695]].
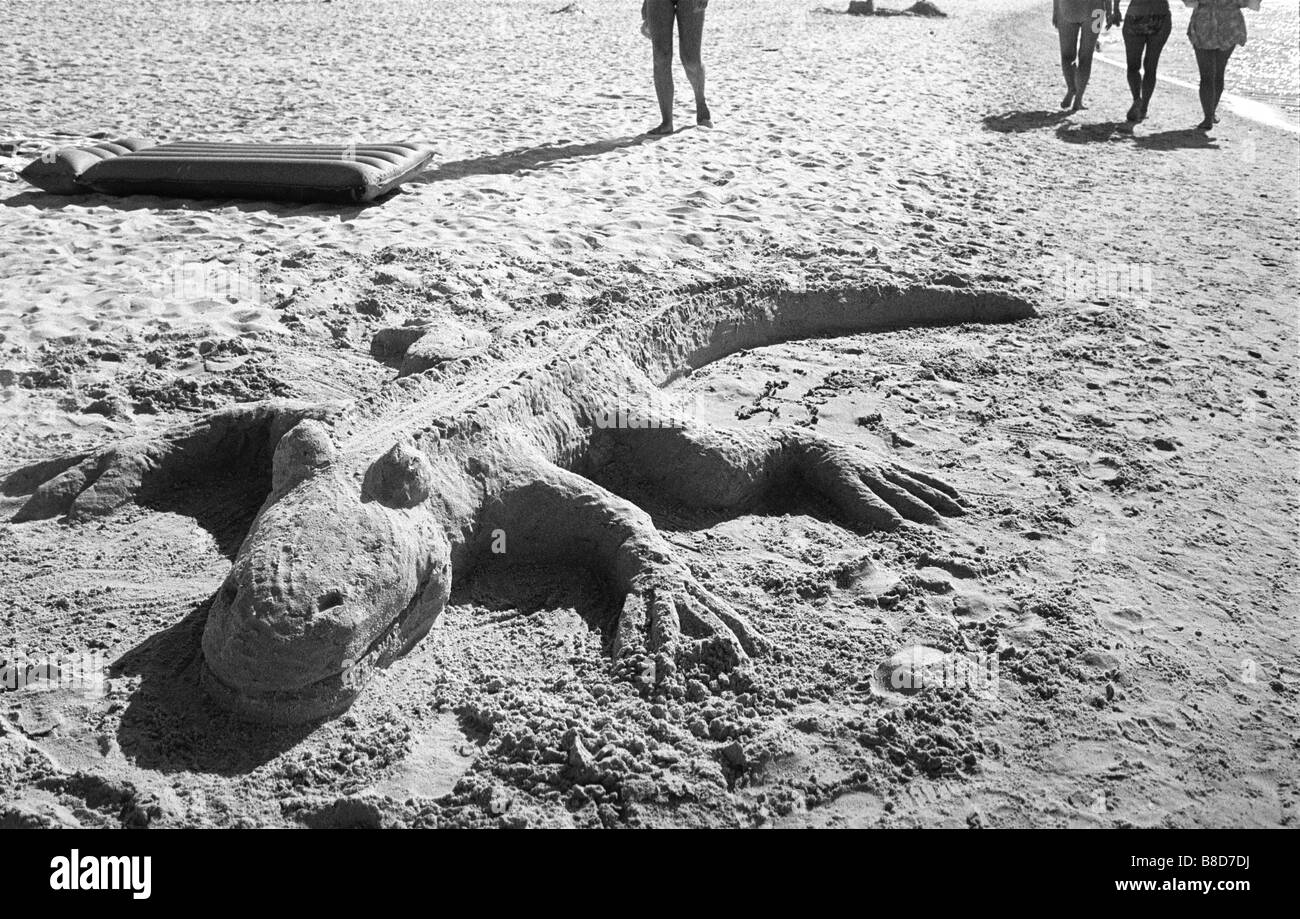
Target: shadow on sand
[[47, 202], [225, 508], [1021, 122], [169, 723], [1101, 132], [526, 158], [1111, 131], [1184, 139], [538, 585]]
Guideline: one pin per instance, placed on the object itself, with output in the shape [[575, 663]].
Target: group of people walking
[[1217, 27]]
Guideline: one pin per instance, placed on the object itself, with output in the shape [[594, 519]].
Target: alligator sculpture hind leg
[[710, 468]]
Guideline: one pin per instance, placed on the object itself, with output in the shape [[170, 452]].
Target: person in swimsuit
[[1078, 23], [658, 16], [1216, 28], [1146, 29]]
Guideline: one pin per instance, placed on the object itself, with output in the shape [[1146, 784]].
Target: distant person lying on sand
[[658, 18], [1078, 23], [1146, 29], [1216, 28]]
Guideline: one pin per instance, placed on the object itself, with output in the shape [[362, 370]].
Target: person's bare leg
[[659, 19], [1205, 64], [690, 35], [1068, 33], [1133, 46], [1220, 67], [1083, 72], [1151, 61]]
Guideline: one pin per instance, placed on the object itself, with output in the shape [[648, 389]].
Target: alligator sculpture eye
[[401, 478], [302, 450]]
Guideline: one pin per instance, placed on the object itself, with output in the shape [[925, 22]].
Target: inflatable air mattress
[[336, 173]]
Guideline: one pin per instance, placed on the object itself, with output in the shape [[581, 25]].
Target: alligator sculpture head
[[342, 571]]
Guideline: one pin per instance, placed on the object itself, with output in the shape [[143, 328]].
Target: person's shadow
[[1099, 133], [1183, 139], [1021, 122], [524, 159]]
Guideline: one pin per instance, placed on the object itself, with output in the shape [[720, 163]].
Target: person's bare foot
[[1205, 125], [703, 117], [1134, 112], [664, 128], [1068, 100], [1078, 105]]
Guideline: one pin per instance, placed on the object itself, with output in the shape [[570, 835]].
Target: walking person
[[1215, 30], [658, 17], [1078, 24], [1146, 29]]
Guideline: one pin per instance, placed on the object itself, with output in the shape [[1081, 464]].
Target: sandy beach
[[1126, 574]]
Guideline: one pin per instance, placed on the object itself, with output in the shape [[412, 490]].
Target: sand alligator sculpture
[[374, 506]]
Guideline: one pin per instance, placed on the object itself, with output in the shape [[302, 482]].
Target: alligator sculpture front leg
[[241, 438], [667, 618]]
